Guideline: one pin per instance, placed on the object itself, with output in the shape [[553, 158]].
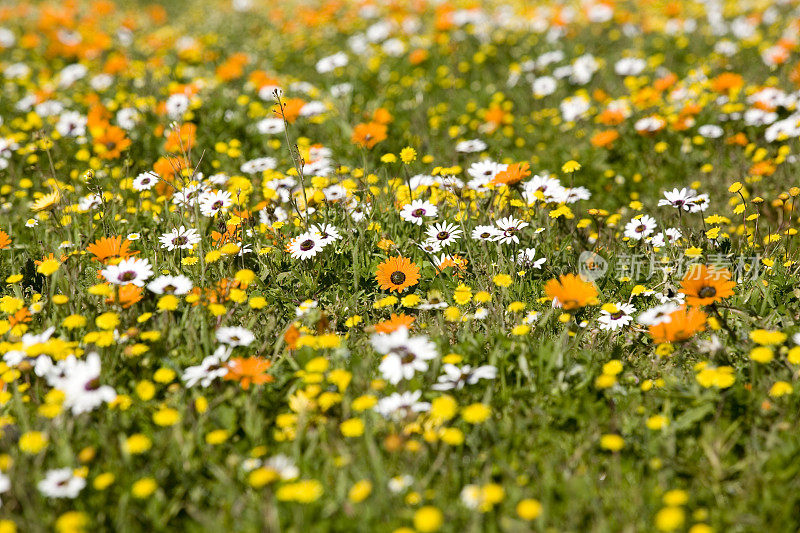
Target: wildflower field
[[402, 266]]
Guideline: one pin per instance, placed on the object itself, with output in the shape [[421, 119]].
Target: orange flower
[[181, 140], [291, 109], [683, 324], [126, 296], [513, 174], [394, 323], [369, 134], [20, 317], [727, 81], [704, 285], [250, 370], [5, 240], [397, 274], [111, 142], [107, 249], [604, 139], [571, 291]]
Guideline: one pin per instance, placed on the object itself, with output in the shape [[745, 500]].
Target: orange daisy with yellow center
[[571, 291]]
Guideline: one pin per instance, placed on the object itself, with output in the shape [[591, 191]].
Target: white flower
[[270, 126], [330, 63], [212, 367], [455, 377], [145, 181], [213, 202], [131, 270], [284, 466], [486, 233], [180, 238], [416, 211], [170, 285], [61, 483], [306, 245], [79, 380], [639, 228], [444, 232], [404, 355], [617, 319], [509, 227], [327, 233], [260, 164], [658, 315], [528, 257], [471, 146], [235, 336], [679, 198], [400, 405], [177, 105]]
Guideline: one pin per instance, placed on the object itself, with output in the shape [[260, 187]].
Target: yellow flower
[[73, 322], [475, 413], [408, 155], [675, 497], [766, 337], [138, 443], [612, 442], [303, 491], [529, 509], [103, 481], [166, 417], [46, 268], [761, 354], [502, 280], [669, 518], [780, 388], [32, 442], [570, 166], [444, 408], [72, 522], [218, 436], [612, 367], [107, 321], [261, 476], [462, 294], [168, 302], [353, 427], [360, 491], [144, 487], [656, 422], [362, 403], [428, 519]]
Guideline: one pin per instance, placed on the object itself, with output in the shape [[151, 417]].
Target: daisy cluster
[[399, 266]]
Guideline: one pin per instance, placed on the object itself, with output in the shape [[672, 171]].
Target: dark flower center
[[92, 385], [127, 276], [306, 245], [418, 212], [397, 277], [707, 292], [180, 240], [442, 235]]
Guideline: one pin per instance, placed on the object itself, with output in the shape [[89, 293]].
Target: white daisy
[[131, 270], [417, 211], [181, 238], [306, 245]]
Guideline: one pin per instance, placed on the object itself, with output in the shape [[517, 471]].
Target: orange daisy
[[397, 274], [109, 248], [5, 240], [513, 174], [683, 324], [705, 285], [249, 370], [571, 291], [394, 323], [369, 134]]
